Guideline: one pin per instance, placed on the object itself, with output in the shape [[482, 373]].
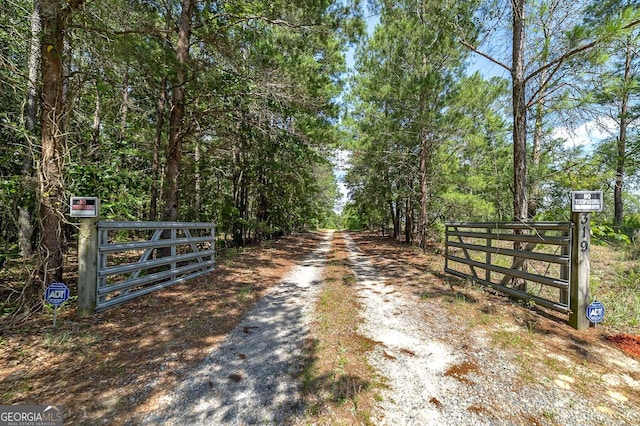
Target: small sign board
[[586, 201], [56, 294], [83, 206], [595, 312]]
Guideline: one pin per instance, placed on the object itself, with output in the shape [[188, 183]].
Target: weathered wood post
[[86, 208], [87, 266], [582, 204]]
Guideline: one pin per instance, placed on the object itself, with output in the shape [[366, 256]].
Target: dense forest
[[232, 111]]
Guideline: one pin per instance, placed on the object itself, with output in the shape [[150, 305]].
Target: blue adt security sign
[[56, 294], [595, 312]]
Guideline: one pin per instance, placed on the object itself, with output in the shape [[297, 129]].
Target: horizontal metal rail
[[553, 282], [543, 257], [113, 248], [117, 301], [480, 258], [134, 226], [174, 252], [132, 267], [157, 276], [540, 226], [560, 307], [539, 239]]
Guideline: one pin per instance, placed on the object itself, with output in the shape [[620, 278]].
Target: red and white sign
[[83, 207]]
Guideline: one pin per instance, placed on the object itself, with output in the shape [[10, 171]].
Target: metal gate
[[137, 258], [485, 254]]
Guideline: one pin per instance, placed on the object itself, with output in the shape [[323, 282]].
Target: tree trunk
[[396, 223], [425, 153], [124, 113], [174, 151], [263, 207], [25, 224], [34, 64], [197, 196], [52, 140], [157, 143], [394, 219], [95, 130], [535, 161], [519, 113], [240, 195], [520, 207], [424, 190], [618, 206], [408, 225]]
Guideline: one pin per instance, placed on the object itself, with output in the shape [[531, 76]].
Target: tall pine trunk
[[157, 143], [538, 134], [534, 196], [520, 206], [424, 187], [53, 19], [519, 113], [176, 130], [408, 225], [618, 206], [25, 224], [94, 149], [124, 114]]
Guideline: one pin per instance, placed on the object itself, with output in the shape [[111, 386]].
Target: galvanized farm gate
[[485, 254], [137, 258]]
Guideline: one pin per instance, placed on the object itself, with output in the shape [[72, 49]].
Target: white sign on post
[[586, 201]]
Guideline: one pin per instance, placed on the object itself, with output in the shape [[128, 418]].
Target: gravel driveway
[[250, 377], [441, 374]]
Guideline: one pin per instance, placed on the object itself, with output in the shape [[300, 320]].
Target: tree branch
[[484, 55], [243, 18], [558, 61]]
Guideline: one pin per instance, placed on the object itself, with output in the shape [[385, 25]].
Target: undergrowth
[[621, 298]]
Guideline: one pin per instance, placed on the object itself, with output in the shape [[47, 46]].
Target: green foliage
[[261, 89], [351, 219], [622, 300], [471, 171], [405, 103], [603, 233], [632, 221], [467, 207]]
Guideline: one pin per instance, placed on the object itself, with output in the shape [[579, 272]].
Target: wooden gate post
[[580, 270], [87, 266]]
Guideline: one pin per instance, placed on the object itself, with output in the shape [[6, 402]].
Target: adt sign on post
[[56, 294], [595, 312]]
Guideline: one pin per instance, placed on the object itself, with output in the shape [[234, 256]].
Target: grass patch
[[244, 293], [622, 302], [512, 339], [340, 386], [615, 282]]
